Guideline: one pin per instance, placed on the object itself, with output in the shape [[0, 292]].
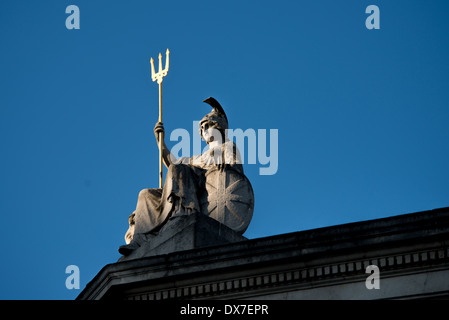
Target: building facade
[[399, 257]]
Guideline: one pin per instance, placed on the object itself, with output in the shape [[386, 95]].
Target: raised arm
[[166, 154]]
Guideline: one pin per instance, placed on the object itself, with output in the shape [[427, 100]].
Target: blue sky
[[362, 117]]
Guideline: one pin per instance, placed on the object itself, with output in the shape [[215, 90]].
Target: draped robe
[[184, 182]]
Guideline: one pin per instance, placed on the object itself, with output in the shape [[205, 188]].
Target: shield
[[228, 198]]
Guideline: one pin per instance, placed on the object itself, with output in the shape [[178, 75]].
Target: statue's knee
[[143, 193], [174, 170], [132, 219]]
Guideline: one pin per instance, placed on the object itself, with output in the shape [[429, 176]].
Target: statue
[[212, 184]]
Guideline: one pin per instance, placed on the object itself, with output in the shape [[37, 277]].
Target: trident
[[159, 77]]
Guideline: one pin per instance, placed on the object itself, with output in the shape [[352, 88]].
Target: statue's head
[[215, 120]]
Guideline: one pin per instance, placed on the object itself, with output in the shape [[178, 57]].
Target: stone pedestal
[[411, 252], [185, 233]]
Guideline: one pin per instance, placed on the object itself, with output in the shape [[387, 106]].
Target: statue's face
[[206, 131], [209, 132]]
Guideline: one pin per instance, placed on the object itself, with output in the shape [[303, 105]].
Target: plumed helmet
[[217, 116]]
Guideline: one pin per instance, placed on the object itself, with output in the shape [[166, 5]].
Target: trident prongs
[[159, 77], [161, 73]]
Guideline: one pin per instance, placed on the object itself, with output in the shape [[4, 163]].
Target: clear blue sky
[[363, 117]]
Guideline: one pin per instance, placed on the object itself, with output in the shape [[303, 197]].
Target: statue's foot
[[180, 211], [127, 249]]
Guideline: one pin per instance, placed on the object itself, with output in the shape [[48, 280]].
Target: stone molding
[[304, 277]]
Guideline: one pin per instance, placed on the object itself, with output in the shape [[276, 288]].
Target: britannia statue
[[212, 183]]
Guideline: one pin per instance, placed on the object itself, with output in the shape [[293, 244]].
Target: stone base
[[184, 233], [410, 251]]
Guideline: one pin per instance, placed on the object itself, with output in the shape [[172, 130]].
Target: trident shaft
[[159, 77]]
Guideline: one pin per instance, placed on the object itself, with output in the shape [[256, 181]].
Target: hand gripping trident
[[159, 77]]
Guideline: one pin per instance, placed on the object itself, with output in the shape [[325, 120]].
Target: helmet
[[217, 116]]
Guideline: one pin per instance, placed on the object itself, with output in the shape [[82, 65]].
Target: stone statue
[[212, 184]]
